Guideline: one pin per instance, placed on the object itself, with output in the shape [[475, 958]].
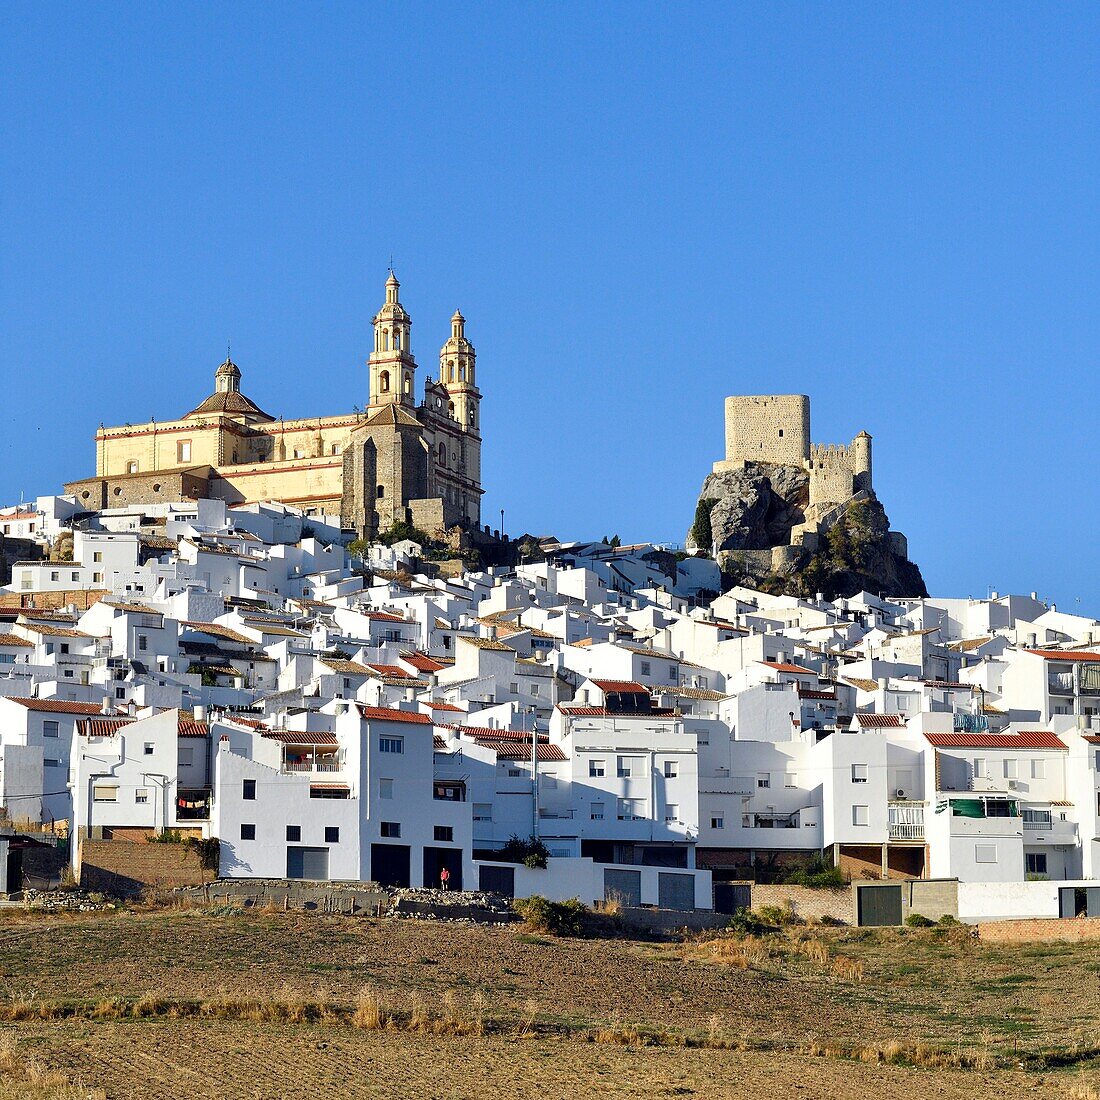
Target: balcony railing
[[1060, 683], [906, 822], [309, 767]]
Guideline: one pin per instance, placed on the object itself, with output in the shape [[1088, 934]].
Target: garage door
[[389, 864], [675, 891], [625, 886], [729, 897], [498, 880], [307, 863], [879, 905]]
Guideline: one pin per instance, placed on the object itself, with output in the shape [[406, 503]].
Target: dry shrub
[[740, 951], [620, 1037], [149, 1005], [817, 951], [530, 1014], [1083, 1091], [47, 1085], [370, 1013], [851, 970]]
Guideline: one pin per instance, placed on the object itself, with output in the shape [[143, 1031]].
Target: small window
[[183, 450], [985, 853], [643, 668], [141, 795], [391, 829], [147, 750], [483, 811], [1038, 769], [597, 811], [859, 773], [185, 757], [143, 642], [51, 762], [248, 832], [595, 768], [672, 769], [294, 832], [981, 768], [385, 788], [332, 834], [764, 779], [391, 744], [718, 822], [120, 693], [1011, 768], [55, 576], [1035, 863], [861, 815], [101, 792], [50, 729], [97, 555], [132, 468], [249, 792], [443, 832]]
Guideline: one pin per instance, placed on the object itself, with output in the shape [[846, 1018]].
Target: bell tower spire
[[392, 366]]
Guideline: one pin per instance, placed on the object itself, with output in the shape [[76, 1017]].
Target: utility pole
[[534, 774]]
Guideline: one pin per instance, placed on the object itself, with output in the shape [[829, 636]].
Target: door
[[435, 859], [497, 880], [389, 864], [675, 891], [879, 906], [307, 863], [730, 896], [625, 886]]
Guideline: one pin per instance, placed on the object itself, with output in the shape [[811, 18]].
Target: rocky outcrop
[[758, 524]]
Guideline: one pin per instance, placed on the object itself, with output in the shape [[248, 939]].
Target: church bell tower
[[392, 366]]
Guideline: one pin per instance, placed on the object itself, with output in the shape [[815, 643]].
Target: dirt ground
[[915, 987]]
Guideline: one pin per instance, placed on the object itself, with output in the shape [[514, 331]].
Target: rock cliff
[[759, 526]]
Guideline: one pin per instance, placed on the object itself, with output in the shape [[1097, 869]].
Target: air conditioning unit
[[899, 793], [1011, 785]]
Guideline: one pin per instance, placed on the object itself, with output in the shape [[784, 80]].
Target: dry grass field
[[192, 1004]]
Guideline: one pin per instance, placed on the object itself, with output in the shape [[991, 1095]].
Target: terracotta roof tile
[[62, 706], [880, 721], [1025, 739], [384, 714]]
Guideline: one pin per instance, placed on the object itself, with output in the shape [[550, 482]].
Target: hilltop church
[[395, 461]]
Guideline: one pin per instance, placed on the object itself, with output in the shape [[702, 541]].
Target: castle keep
[[395, 461], [775, 429]]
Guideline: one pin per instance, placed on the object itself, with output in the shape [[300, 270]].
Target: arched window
[[385, 341], [451, 407], [381, 491], [471, 418], [408, 383], [443, 454], [451, 371], [462, 372], [384, 381], [396, 339]]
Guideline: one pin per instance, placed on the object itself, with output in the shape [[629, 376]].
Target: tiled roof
[[385, 617], [62, 706], [705, 694], [329, 787], [968, 644], [216, 630], [189, 727], [603, 712], [880, 721], [394, 671], [862, 684], [621, 687], [54, 631], [486, 643], [344, 667], [811, 693], [784, 667], [508, 750], [1025, 739], [102, 727], [384, 714], [1065, 654], [12, 641], [132, 608], [422, 662], [438, 743], [435, 704]]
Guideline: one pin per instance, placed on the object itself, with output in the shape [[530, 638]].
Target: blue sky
[[639, 208]]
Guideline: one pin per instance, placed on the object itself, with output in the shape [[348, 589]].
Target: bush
[[817, 873], [746, 923], [918, 920], [779, 916], [531, 852], [558, 918]]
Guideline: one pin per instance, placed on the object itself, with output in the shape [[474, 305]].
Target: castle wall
[[772, 428], [832, 474]]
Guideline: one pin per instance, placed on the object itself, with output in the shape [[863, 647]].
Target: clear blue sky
[[639, 208]]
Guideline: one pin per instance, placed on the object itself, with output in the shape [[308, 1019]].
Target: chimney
[[200, 713], [781, 657], [1035, 596], [1031, 641]]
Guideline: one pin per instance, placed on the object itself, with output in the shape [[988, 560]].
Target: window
[[595, 769], [294, 832], [643, 668], [183, 450], [335, 449], [120, 693], [385, 788], [514, 773], [391, 744], [249, 792], [76, 576], [483, 811], [1038, 769], [859, 773], [102, 792], [391, 828], [332, 834], [981, 768], [50, 729], [143, 642], [97, 555], [630, 809], [248, 832], [1011, 769], [597, 811], [185, 757], [628, 766], [141, 795], [443, 832], [717, 822], [764, 780], [985, 853], [50, 762], [534, 689], [132, 468], [672, 813], [55, 576], [147, 750], [97, 578], [1035, 863], [861, 815], [513, 687]]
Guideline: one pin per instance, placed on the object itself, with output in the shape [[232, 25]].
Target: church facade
[[397, 460]]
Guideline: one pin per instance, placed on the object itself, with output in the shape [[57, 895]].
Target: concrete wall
[[980, 901]]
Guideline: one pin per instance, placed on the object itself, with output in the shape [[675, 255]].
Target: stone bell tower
[[457, 373], [392, 366]]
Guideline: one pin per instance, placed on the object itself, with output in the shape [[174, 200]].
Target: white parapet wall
[[986, 901]]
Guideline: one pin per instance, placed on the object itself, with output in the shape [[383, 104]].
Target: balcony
[[906, 821], [1060, 683], [306, 765], [193, 805]]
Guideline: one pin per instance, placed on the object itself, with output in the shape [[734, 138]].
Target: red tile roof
[[543, 753], [298, 737], [621, 687], [101, 727], [1065, 654], [436, 705], [422, 662], [602, 712], [1026, 739], [789, 668], [880, 721], [385, 616], [64, 706], [384, 714], [189, 727], [395, 671]]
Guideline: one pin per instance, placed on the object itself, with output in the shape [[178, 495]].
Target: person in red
[[444, 879]]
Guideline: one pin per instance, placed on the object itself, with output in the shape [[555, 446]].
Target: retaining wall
[[808, 903], [125, 867], [1039, 929]]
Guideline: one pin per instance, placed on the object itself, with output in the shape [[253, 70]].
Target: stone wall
[[773, 428], [125, 867], [351, 899], [80, 598]]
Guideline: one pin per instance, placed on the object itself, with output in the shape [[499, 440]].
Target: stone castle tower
[[775, 429]]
